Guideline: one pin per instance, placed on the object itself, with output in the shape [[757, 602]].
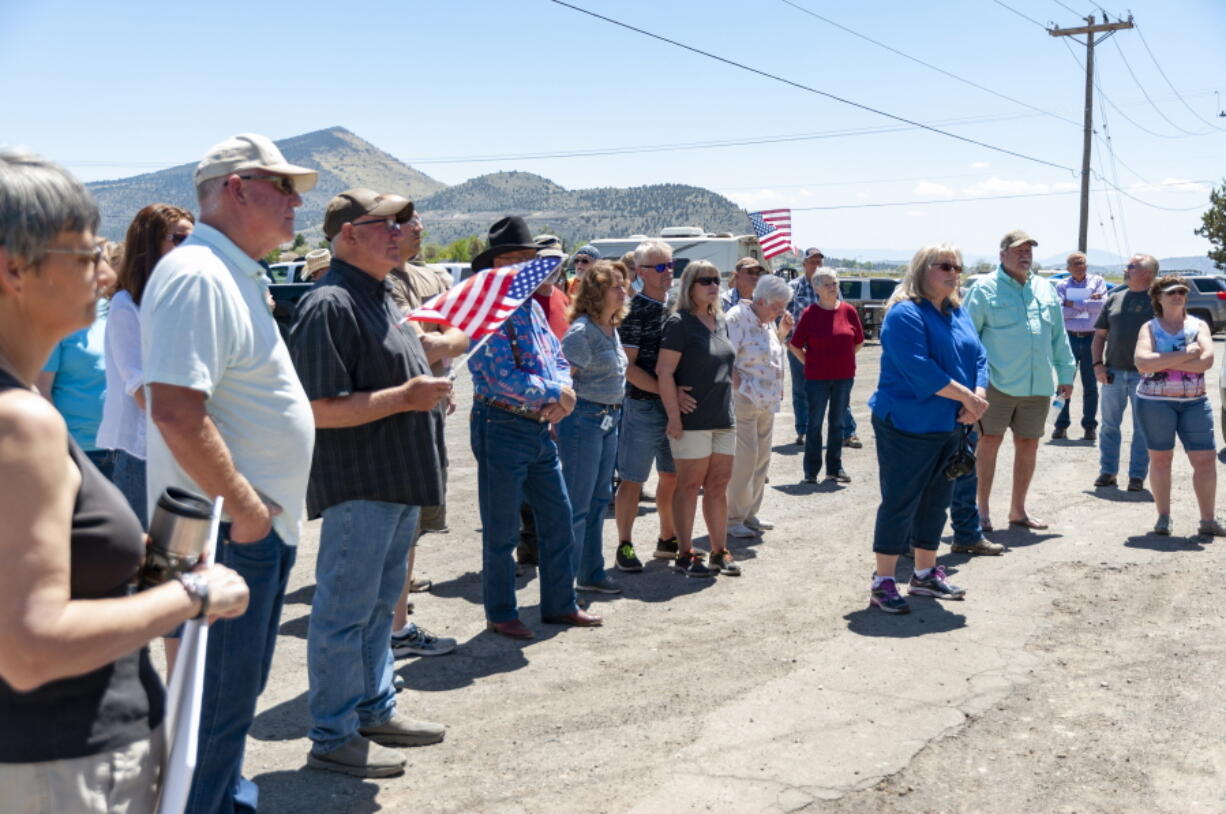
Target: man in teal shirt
[[1020, 323]]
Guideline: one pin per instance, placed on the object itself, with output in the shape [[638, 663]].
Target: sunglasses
[[706, 281], [390, 224], [947, 267], [754, 272], [818, 256], [281, 182], [177, 239], [1181, 292], [661, 267]]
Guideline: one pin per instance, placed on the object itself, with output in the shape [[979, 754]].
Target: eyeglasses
[[390, 224], [1175, 292], [281, 182], [177, 239], [661, 267], [1134, 266], [95, 254], [706, 281], [947, 267]]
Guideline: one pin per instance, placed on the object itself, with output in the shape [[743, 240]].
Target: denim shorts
[[1191, 420], [643, 440]]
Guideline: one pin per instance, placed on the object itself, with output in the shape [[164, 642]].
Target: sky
[[459, 88]]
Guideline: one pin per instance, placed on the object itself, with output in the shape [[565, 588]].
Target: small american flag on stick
[[479, 305], [774, 230]]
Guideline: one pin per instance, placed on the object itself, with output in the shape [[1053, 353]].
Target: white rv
[[690, 243]]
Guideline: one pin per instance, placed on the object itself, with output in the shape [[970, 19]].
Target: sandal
[[1029, 523]]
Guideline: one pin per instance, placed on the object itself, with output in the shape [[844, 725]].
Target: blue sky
[[113, 90]]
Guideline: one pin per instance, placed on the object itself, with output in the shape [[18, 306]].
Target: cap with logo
[[813, 251], [1016, 238], [353, 204], [251, 151]]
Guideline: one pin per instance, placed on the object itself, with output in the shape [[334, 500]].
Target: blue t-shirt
[[922, 350], [79, 389]]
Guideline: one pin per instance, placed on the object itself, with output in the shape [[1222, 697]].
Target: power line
[[812, 90], [1116, 107], [1145, 93], [929, 65], [1070, 10], [1019, 14], [1169, 83]]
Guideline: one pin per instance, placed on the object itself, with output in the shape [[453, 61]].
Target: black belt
[[605, 408], [1081, 334], [521, 411]]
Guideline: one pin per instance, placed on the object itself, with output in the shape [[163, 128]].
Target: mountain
[[574, 215], [343, 160]]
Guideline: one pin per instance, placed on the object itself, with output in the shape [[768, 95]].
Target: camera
[[962, 462]]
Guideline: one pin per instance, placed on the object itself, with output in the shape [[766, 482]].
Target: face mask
[[637, 285]]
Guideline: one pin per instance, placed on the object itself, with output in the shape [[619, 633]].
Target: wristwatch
[[197, 587]]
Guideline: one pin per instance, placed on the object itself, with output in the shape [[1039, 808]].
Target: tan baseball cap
[[749, 263], [251, 151], [1016, 238], [353, 204]]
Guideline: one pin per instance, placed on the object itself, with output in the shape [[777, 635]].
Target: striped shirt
[[349, 338]]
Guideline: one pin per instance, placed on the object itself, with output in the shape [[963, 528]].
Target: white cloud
[[1171, 185], [1002, 186], [979, 165], [928, 189], [1066, 185]]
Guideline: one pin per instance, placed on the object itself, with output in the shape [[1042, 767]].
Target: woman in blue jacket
[[934, 374]]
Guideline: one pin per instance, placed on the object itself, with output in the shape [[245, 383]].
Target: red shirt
[[555, 306], [829, 339]]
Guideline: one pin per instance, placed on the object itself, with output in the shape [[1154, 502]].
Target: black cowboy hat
[[510, 234]]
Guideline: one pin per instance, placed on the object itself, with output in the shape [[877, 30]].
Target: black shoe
[[527, 554], [1059, 433], [666, 549], [810, 479], [800, 440], [1091, 435], [1104, 479], [841, 476], [1136, 484], [691, 565], [626, 558]]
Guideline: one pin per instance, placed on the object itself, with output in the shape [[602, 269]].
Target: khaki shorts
[[696, 444], [1025, 415]]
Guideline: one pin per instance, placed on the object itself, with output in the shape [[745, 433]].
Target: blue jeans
[[800, 401], [588, 454], [517, 460], [359, 571], [1089, 386], [849, 423], [964, 508], [129, 477], [819, 393], [104, 459], [239, 658], [914, 490], [1115, 396]]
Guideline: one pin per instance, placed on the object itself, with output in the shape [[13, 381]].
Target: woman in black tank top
[[76, 684]]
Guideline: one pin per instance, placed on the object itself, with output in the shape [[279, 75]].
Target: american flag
[[774, 230], [479, 305]]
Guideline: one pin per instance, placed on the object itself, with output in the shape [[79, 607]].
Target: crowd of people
[[172, 372]]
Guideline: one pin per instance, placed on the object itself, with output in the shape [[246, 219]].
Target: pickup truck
[[868, 295]]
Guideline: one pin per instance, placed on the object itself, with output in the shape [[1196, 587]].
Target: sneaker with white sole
[[934, 585], [759, 524], [667, 549], [886, 596], [626, 558], [741, 530], [691, 565], [722, 562], [417, 641]]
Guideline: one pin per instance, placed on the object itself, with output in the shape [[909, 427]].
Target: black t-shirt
[[706, 364], [119, 703], [642, 329], [1122, 316]]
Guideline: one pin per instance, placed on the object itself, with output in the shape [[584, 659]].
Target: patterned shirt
[[759, 358], [729, 298], [539, 375], [349, 338], [803, 295], [642, 329], [1172, 385], [1081, 316]]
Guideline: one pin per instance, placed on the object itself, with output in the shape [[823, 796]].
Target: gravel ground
[[1080, 674]]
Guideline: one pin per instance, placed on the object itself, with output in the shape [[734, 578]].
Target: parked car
[[868, 295], [1206, 298], [287, 272]]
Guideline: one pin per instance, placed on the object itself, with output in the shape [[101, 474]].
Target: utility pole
[[1106, 28]]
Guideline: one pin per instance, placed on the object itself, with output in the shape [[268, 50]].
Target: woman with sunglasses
[[696, 352], [1173, 352], [934, 377], [80, 700], [826, 340]]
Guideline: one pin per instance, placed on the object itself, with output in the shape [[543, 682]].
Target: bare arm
[[44, 382], [1204, 348], [419, 393], [45, 634], [637, 376], [1098, 347], [666, 366], [193, 438], [438, 345], [1148, 360]]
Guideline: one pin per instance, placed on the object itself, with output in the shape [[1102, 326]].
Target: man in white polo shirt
[[228, 417]]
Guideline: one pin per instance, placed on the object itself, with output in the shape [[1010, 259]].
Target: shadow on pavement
[[809, 488], [483, 655], [1156, 542], [290, 792], [302, 596], [1115, 495], [788, 449], [926, 616], [1019, 537]]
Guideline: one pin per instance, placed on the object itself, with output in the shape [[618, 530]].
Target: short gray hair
[[38, 200], [650, 247], [771, 288], [1149, 261], [825, 272]]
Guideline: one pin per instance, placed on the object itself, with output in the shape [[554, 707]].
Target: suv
[[1206, 298], [868, 295]]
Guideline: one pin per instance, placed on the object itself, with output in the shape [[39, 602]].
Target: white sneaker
[[759, 524], [740, 530]]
